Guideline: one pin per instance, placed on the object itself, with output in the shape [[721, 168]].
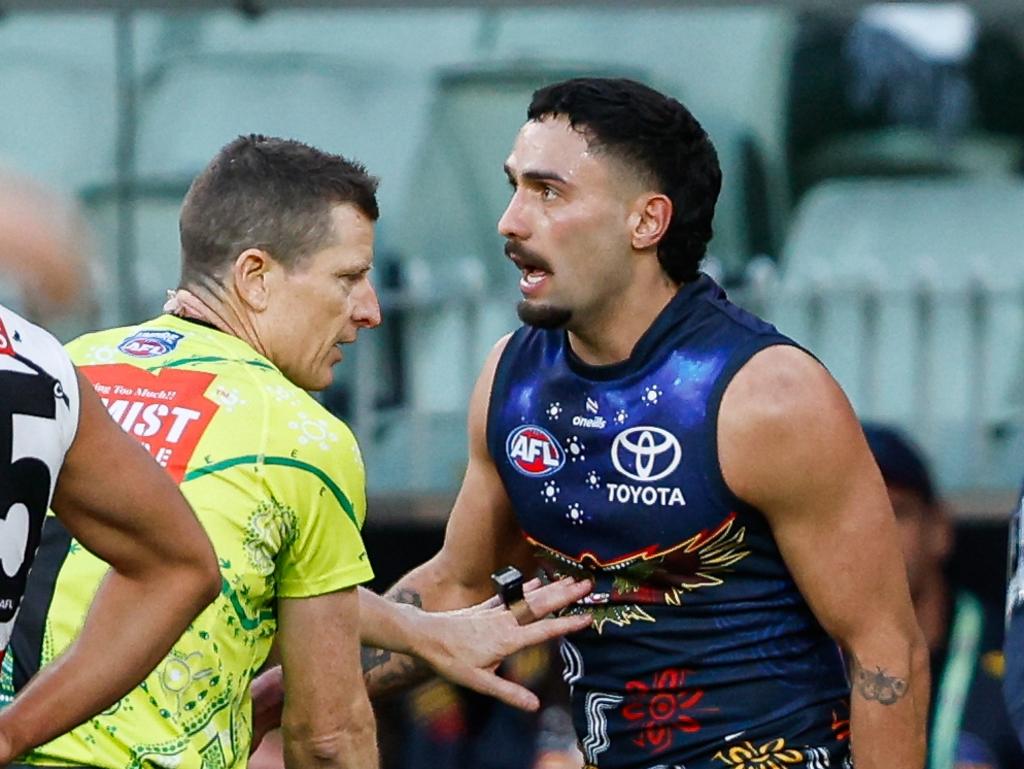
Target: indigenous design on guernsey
[[651, 576], [703, 652], [39, 404], [277, 483]]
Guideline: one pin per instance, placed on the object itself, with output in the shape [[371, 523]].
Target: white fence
[[944, 363]]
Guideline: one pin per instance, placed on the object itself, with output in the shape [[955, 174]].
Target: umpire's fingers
[[490, 683], [548, 629], [557, 595]]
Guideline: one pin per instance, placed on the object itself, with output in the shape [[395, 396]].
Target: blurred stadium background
[[873, 203]]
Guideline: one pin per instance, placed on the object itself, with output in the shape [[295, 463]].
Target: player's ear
[[250, 273], [651, 220]]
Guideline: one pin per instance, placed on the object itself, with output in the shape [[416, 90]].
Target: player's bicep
[[482, 532], [117, 501], [791, 446]]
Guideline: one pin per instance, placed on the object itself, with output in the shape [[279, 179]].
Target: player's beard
[[542, 315]]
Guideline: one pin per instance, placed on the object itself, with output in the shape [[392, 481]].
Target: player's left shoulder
[[780, 387], [781, 414]]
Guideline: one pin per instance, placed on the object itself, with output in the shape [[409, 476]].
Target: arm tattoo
[[876, 684], [385, 671], [405, 595]]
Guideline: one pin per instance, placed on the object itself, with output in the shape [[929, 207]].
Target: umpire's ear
[[253, 274]]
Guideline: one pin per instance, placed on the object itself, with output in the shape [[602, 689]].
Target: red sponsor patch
[[167, 412], [6, 344]]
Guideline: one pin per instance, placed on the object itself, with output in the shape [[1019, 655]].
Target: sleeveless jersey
[[702, 653], [278, 484], [38, 421]]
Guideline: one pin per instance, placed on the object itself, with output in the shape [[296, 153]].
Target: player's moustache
[[525, 257]]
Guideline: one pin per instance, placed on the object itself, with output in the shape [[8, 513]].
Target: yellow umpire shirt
[[278, 484]]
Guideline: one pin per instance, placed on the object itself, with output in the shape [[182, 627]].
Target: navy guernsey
[[703, 653]]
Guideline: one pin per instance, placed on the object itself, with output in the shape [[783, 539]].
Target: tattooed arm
[[790, 445], [464, 646], [386, 670]]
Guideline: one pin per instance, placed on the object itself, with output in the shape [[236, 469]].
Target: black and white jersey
[[39, 403]]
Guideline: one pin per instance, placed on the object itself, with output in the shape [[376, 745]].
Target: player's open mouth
[[532, 267], [533, 279]]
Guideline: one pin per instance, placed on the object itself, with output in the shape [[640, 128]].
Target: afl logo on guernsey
[[534, 451], [150, 344]]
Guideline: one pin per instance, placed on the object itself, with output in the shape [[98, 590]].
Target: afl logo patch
[[534, 451], [150, 344]]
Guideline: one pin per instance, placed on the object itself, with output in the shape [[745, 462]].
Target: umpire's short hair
[[267, 193]]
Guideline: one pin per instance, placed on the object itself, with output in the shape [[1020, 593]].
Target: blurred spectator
[[446, 727], [969, 728], [44, 254], [910, 62]]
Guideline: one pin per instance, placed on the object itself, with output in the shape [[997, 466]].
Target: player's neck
[[610, 337]]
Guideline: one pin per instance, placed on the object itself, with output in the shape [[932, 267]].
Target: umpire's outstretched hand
[[465, 646]]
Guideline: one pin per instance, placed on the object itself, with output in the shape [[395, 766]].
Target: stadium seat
[[131, 297], [57, 97], [739, 84], [904, 151], [448, 237], [910, 291], [357, 81]]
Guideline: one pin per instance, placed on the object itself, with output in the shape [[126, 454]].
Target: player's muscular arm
[[122, 506], [327, 720], [790, 445], [482, 535]]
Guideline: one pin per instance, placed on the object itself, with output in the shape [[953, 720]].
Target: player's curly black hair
[[268, 193], [657, 135]]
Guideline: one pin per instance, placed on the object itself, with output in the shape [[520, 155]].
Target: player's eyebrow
[[538, 175]]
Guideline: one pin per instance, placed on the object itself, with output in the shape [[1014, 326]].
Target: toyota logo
[[645, 450]]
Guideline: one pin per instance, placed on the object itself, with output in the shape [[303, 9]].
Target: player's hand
[[466, 646]]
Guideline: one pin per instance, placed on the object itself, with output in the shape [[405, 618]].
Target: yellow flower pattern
[[770, 755]]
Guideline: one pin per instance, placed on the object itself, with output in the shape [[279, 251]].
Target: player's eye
[[548, 193]]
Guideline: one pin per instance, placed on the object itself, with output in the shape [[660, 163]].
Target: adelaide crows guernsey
[[702, 653], [277, 483], [38, 422]]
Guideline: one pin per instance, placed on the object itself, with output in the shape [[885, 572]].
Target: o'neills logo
[[597, 423]]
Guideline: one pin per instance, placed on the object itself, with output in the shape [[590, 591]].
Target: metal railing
[[944, 362]]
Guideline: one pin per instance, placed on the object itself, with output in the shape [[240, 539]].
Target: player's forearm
[[133, 620], [889, 704], [391, 634], [388, 637], [351, 744]]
